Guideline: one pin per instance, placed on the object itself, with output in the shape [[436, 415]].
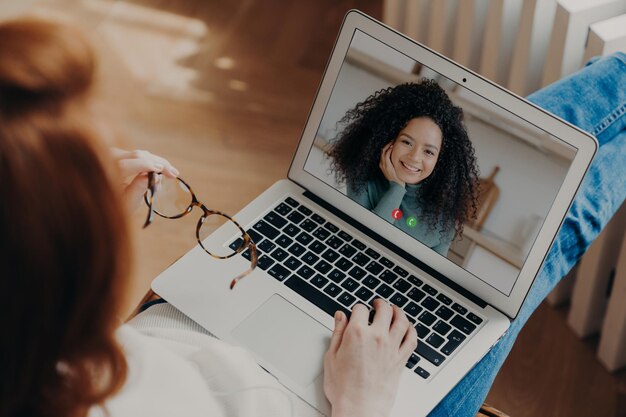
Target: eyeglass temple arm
[[253, 262], [151, 186]]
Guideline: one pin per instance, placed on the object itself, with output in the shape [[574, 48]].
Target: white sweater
[[176, 368]]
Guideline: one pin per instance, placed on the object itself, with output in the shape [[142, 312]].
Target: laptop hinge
[[395, 249]]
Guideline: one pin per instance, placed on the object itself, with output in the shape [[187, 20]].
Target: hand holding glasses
[[172, 198]]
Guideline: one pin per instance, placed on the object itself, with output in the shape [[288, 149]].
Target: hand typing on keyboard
[[363, 364]]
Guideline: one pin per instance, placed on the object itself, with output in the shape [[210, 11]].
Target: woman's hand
[[134, 167], [386, 166], [363, 364]]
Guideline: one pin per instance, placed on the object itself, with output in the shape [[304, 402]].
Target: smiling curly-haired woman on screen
[[406, 148]]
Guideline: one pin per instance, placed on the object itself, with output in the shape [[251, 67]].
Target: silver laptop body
[[470, 295]]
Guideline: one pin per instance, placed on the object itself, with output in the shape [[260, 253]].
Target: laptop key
[[398, 299], [305, 210], [305, 272], [296, 249], [291, 230], [304, 238], [292, 202], [343, 264], [361, 259], [462, 324], [345, 236], [237, 243], [246, 254], [279, 254], [456, 336], [323, 267], [372, 253], [358, 244], [459, 309], [321, 233], [474, 318], [279, 272], [295, 217], [401, 286], [427, 318], [429, 354], [400, 271], [319, 281], [347, 250], [330, 255], [350, 285], [416, 294], [346, 299], [293, 263], [357, 273], [316, 297], [331, 227], [412, 309], [264, 262], [444, 312], [442, 328], [334, 242], [386, 262], [308, 225], [284, 241], [444, 299], [310, 258], [435, 340], [266, 230], [388, 276], [332, 289], [318, 219], [422, 330], [384, 290], [364, 294], [275, 219], [450, 347], [374, 268], [413, 360], [422, 372], [430, 304], [266, 245], [415, 280], [317, 247], [337, 276], [283, 209], [430, 290], [371, 282]]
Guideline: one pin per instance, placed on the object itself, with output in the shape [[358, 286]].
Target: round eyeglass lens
[[229, 237], [171, 197]]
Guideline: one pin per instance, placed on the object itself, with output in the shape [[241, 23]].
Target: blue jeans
[[594, 99]]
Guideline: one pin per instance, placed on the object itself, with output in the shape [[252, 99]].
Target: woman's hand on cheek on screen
[[134, 167], [386, 166], [363, 364]]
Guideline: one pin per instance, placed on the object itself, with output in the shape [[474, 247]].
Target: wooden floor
[[222, 89]]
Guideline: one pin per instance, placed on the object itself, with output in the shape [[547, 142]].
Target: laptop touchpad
[[286, 337]]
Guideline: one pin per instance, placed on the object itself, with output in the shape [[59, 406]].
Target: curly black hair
[[449, 195]]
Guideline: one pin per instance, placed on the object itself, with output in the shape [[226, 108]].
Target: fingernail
[[337, 316], [175, 171]]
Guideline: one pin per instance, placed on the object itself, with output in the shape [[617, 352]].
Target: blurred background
[[223, 88]]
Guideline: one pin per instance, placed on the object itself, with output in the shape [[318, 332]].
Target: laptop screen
[[459, 174]]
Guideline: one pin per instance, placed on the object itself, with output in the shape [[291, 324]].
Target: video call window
[[464, 177]]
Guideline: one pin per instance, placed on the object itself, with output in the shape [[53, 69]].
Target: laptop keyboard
[[333, 270]]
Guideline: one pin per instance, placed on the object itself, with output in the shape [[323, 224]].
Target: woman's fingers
[[383, 315], [409, 343], [399, 324], [135, 162], [341, 321]]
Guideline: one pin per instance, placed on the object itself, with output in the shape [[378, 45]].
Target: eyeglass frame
[[247, 243]]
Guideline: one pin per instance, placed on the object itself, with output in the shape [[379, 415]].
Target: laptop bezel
[[586, 147]]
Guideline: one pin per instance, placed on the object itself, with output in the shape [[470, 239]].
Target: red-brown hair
[[64, 246]]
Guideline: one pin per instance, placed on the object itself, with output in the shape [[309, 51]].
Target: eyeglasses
[[173, 199]]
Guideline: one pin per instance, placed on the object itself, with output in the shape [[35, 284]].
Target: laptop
[[320, 250]]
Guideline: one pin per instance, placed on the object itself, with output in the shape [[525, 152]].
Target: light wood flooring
[[222, 89]]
